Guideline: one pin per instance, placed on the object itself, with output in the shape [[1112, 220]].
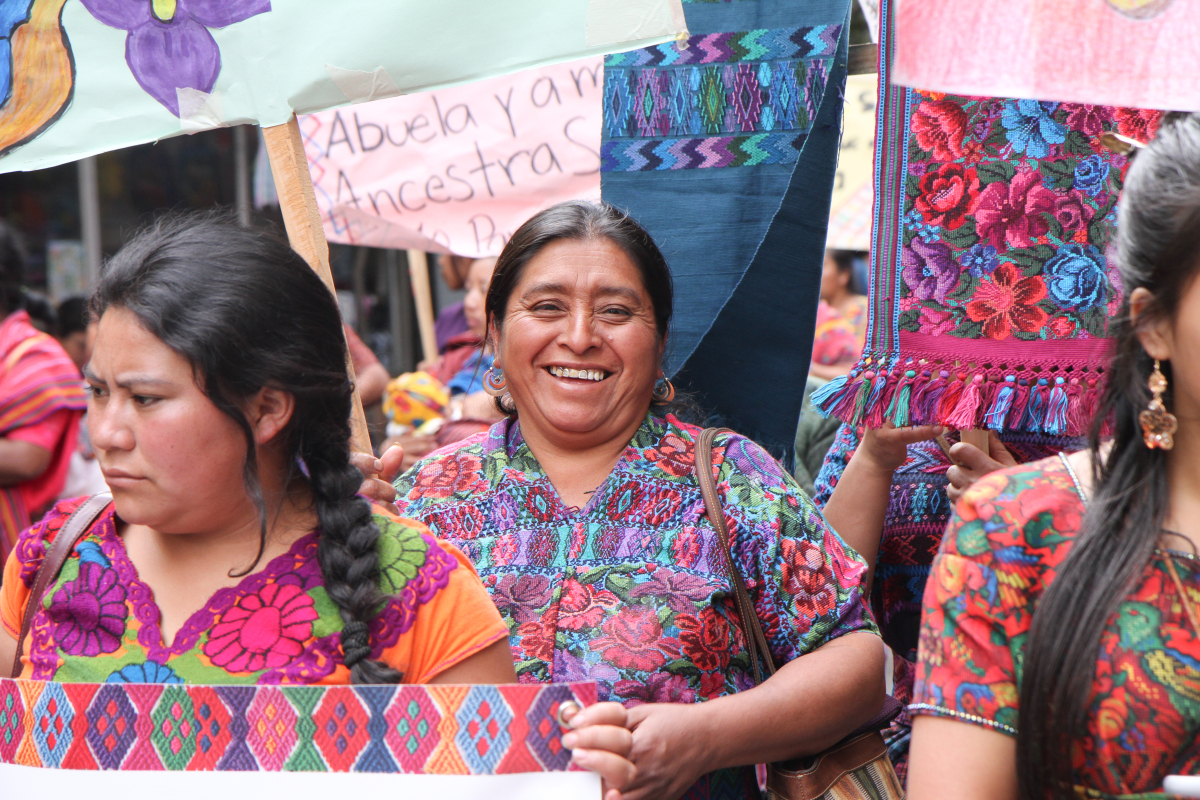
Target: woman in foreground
[[1096, 694], [583, 513]]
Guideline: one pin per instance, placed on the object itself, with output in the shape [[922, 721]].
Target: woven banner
[[65, 732], [992, 277]]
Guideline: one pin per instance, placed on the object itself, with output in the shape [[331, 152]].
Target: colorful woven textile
[[991, 279], [1012, 530], [724, 149], [631, 590], [443, 730], [99, 621], [37, 379]]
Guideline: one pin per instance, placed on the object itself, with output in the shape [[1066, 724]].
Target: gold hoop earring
[[1158, 424], [494, 382], [664, 392]]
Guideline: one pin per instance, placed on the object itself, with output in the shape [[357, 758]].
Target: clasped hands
[[887, 448]]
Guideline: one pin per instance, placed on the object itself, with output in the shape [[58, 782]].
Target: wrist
[[873, 463]]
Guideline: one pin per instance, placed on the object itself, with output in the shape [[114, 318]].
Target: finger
[[377, 490], [612, 794], [918, 433], [616, 772], [971, 457], [390, 462], [954, 494], [366, 463], [610, 738], [596, 714], [998, 452], [959, 478]]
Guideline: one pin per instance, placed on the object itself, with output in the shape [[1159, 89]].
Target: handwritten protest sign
[[87, 76], [116, 740], [457, 170], [852, 205]]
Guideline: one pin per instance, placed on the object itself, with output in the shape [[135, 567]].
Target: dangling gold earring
[[1158, 424], [494, 382], [664, 393]]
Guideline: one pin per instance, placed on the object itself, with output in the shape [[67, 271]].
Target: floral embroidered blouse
[[1009, 534], [99, 621], [631, 590]]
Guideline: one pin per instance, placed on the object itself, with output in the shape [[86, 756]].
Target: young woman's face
[[172, 459], [580, 306], [479, 278]]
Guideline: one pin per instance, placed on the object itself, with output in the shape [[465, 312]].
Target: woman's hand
[[668, 751], [378, 474], [886, 448], [599, 740], [971, 464]]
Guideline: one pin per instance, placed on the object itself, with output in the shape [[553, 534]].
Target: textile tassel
[[877, 407], [899, 411], [1077, 422], [1035, 411], [949, 400], [1020, 402], [843, 404], [827, 398], [925, 402], [964, 415], [1056, 410], [998, 410], [862, 397]]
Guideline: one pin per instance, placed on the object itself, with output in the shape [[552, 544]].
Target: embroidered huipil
[[631, 590], [99, 622], [1010, 534]]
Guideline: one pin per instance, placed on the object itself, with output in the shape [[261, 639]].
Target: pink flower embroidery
[[936, 323], [1010, 215], [265, 630]]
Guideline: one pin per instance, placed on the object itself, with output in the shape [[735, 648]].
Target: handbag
[[856, 768], [69, 534]]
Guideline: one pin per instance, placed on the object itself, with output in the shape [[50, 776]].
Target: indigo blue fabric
[[733, 180]]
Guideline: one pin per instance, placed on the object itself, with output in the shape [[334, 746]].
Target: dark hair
[[12, 270], [247, 312], [72, 316], [844, 261], [578, 220], [1158, 249]]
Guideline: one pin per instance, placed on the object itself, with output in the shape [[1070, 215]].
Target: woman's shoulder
[[670, 444], [454, 471], [1022, 517], [33, 543], [410, 557]]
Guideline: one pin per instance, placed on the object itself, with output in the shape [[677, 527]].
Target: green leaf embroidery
[[402, 553]]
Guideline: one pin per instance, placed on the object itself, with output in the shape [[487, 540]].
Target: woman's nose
[[580, 335], [107, 429]]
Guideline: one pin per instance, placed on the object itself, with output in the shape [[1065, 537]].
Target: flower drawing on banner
[[89, 612], [929, 270], [980, 260], [948, 194], [1031, 128], [1091, 174], [264, 630], [940, 126], [169, 46], [1010, 215], [1007, 302], [1075, 277], [1072, 211]]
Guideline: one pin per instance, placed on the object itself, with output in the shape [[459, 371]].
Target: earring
[[664, 392], [494, 382], [1158, 424]]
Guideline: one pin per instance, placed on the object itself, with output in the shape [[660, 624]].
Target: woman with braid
[[236, 549]]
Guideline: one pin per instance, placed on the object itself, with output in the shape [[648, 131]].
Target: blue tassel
[[1036, 408], [994, 418], [1056, 412]]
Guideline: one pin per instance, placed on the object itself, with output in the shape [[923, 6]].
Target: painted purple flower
[[89, 612], [169, 46], [929, 270]]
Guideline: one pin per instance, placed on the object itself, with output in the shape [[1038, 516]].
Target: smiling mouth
[[578, 374]]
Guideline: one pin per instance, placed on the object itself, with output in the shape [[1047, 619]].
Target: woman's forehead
[[591, 265]]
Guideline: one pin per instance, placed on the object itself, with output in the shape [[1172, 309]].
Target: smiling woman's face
[[172, 459], [578, 344]]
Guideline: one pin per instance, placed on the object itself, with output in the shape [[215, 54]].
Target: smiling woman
[[583, 513]]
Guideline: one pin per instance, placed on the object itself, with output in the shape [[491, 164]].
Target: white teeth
[[581, 374]]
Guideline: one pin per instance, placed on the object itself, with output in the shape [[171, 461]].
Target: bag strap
[[755, 636], [69, 534]]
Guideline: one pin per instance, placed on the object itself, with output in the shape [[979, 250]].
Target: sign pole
[[418, 273], [298, 202]]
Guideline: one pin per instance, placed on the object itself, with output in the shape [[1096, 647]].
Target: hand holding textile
[[971, 464]]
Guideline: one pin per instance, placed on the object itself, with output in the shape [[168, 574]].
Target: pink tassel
[[1077, 421], [964, 415], [926, 399], [1020, 401], [950, 397]]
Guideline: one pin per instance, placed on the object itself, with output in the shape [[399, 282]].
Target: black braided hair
[[246, 311]]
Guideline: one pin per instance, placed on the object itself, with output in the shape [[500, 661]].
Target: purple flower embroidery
[[929, 270], [89, 612], [169, 46]]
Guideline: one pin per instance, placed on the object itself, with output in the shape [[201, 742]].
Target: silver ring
[[565, 706]]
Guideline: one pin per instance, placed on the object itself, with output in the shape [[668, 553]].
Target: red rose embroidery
[[582, 606], [947, 195], [1138, 123], [1007, 302], [940, 127], [673, 456], [455, 474], [705, 639], [536, 638], [265, 630], [806, 578], [634, 640]]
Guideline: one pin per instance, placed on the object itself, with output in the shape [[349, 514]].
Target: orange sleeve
[[14, 594]]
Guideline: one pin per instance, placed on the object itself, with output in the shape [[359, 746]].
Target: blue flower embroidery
[[1091, 174], [980, 260], [149, 672], [1075, 277], [1030, 128], [90, 552]]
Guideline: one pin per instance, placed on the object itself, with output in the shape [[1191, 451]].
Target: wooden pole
[[418, 273], [302, 219], [977, 437]]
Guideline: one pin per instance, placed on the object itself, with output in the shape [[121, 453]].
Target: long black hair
[[579, 220], [1158, 249], [247, 312]]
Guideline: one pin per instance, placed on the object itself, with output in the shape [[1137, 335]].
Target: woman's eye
[[96, 391], [143, 400], [618, 311]]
